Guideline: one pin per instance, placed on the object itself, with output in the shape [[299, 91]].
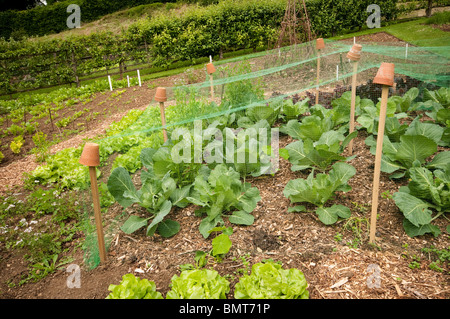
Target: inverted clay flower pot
[[385, 74], [210, 68], [160, 95], [90, 155], [355, 52], [320, 44]]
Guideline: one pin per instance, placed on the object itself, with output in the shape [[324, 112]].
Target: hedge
[[44, 20], [200, 31]]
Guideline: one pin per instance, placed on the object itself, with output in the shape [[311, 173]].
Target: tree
[[429, 7]]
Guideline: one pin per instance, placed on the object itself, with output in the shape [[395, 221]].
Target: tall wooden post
[[91, 157], [354, 55], [161, 97], [211, 69], [320, 44], [385, 77]]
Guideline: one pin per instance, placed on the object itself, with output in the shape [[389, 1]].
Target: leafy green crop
[[320, 121], [406, 102], [198, 284], [418, 143], [306, 153], [268, 280], [268, 112], [320, 189], [293, 111], [441, 96], [248, 151], [158, 196], [161, 161], [132, 287], [16, 144], [427, 190], [311, 127], [220, 190]]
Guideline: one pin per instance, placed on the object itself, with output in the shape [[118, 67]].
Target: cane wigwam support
[[91, 157], [385, 77]]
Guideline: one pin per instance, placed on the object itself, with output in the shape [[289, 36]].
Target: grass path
[[415, 32]]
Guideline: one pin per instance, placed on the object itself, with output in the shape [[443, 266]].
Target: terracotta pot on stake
[[211, 69], [91, 157], [385, 77], [354, 55], [161, 97], [320, 44]]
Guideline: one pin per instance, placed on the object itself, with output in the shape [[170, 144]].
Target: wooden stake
[[318, 75], [91, 157], [379, 152], [97, 213], [353, 105], [211, 69], [163, 119], [212, 86]]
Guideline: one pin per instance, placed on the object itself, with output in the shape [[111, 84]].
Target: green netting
[[259, 79]]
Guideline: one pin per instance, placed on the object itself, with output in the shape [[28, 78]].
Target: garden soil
[[337, 260]]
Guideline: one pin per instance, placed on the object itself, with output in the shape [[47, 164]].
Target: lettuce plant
[[132, 287], [318, 190], [219, 191], [198, 284], [268, 280], [427, 192]]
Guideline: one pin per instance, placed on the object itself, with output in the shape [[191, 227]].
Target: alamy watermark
[[374, 20], [73, 20], [374, 280], [74, 279]]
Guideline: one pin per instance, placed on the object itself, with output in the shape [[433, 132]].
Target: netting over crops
[[248, 84]]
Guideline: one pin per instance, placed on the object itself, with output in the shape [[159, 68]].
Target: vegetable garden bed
[[336, 259]]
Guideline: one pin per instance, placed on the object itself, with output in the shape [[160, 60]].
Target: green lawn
[[415, 32]]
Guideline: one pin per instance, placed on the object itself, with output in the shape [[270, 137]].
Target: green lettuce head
[[270, 281]]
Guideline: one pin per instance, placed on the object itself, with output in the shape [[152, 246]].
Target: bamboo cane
[[211, 69], [163, 119], [385, 77], [161, 97], [379, 152], [353, 55], [97, 213], [320, 44], [318, 77], [352, 106], [91, 157]]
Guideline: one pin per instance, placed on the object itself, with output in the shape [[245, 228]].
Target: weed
[[354, 224], [441, 257]]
